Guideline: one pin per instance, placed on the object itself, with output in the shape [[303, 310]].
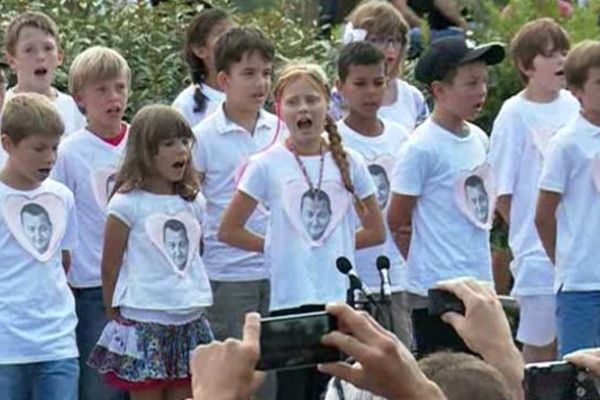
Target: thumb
[[454, 319]]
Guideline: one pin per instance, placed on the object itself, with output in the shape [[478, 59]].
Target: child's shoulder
[[211, 125], [185, 97], [406, 87], [266, 118]]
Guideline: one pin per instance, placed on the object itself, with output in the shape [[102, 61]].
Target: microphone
[[345, 267], [383, 265]]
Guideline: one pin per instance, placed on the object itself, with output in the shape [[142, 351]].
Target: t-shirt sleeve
[[200, 155], [70, 238], [506, 152], [361, 179], [556, 167], [421, 105], [60, 171], [254, 181], [199, 207], [122, 208], [410, 171]]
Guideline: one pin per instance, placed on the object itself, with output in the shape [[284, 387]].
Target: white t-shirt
[[162, 269], [435, 166], [88, 165], [37, 310], [519, 140], [409, 109], [222, 152], [380, 153], [305, 234], [186, 105], [572, 168]]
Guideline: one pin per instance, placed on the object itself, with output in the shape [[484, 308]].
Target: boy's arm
[[399, 220], [66, 260], [372, 232], [116, 234], [503, 206], [232, 229], [545, 220]]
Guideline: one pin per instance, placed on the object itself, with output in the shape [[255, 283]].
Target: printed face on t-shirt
[[382, 184], [176, 243], [36, 226], [315, 211], [477, 198]]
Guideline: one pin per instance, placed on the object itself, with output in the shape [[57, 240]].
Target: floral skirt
[[140, 355]]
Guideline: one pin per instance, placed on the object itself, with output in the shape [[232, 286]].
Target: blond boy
[[32, 47], [38, 356], [87, 161], [519, 139]]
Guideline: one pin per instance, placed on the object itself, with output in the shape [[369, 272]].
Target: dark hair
[[316, 196], [358, 53], [474, 181], [233, 45], [174, 225], [197, 33], [35, 209], [375, 169]]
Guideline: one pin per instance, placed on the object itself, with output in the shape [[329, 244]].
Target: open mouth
[[304, 123], [178, 164], [560, 72], [40, 71], [114, 110], [44, 171]]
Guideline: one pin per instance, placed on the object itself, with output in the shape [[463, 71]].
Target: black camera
[[441, 301], [558, 380], [294, 341]]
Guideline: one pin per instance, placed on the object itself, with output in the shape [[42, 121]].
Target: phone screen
[[550, 381], [294, 341]]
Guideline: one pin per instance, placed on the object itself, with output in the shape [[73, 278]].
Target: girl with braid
[[303, 265], [203, 95]]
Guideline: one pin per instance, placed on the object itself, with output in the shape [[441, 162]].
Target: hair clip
[[353, 35]]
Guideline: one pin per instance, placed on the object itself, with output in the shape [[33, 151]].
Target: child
[[87, 161], [362, 81], [380, 23], [303, 267], [31, 42], [203, 95], [428, 184], [226, 139], [156, 308], [568, 209], [519, 138], [38, 356]]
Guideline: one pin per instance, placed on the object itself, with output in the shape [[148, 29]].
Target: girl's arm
[[399, 220], [116, 234], [545, 220], [373, 229], [232, 229]]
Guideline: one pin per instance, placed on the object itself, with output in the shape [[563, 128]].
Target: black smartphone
[[558, 380], [294, 341], [440, 301]]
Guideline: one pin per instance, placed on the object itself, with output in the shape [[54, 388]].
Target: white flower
[[353, 35]]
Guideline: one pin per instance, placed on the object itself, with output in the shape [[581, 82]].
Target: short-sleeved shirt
[[447, 242], [519, 141], [307, 230], [379, 153], [409, 109], [87, 165], [161, 269], [572, 168], [37, 309], [222, 152], [186, 105]]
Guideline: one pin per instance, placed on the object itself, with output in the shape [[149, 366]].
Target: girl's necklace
[[303, 168]]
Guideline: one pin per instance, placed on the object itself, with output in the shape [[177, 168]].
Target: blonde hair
[[150, 126], [583, 57], [27, 114], [379, 18], [96, 64], [34, 19], [290, 74]]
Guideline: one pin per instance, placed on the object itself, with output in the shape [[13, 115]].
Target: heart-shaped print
[[38, 223], [596, 172], [475, 194], [176, 236], [103, 182], [315, 214], [380, 169]]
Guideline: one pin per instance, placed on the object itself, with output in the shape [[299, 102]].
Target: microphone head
[[383, 262], [343, 265]]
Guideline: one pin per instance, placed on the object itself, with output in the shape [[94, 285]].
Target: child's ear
[[437, 89], [522, 69], [223, 80], [200, 52], [10, 60], [61, 58], [7, 143], [338, 84]]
